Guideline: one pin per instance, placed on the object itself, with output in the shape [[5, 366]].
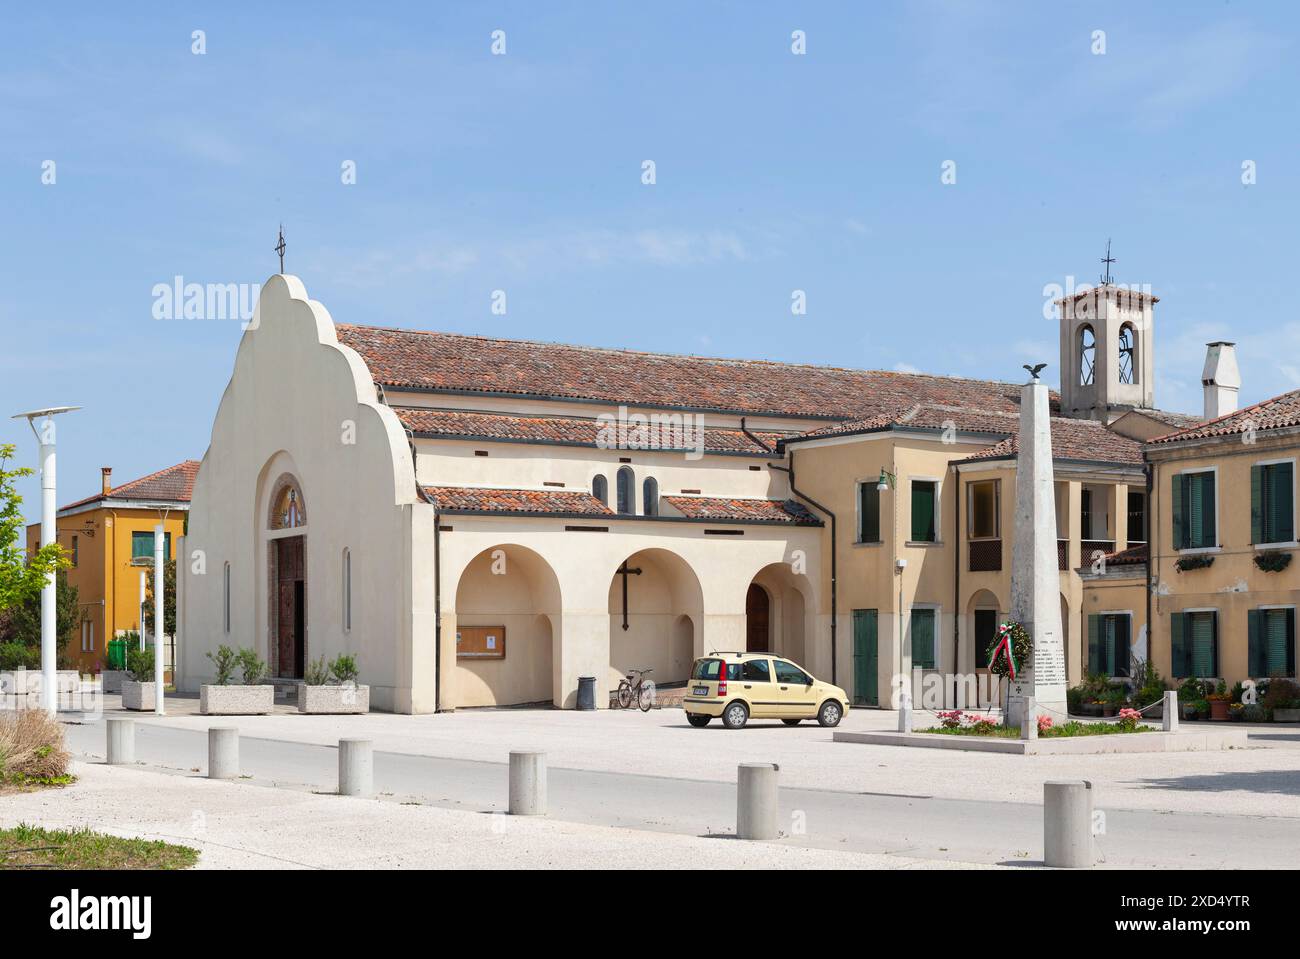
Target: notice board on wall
[[481, 642]]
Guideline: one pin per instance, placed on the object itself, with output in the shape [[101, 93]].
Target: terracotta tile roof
[[1071, 439], [744, 510], [1180, 421], [461, 499], [456, 363], [1271, 414], [569, 431], [173, 484]]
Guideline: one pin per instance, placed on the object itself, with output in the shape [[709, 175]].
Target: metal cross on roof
[[279, 247], [1107, 260]]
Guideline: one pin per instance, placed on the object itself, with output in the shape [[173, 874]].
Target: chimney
[[106, 473], [1221, 379]]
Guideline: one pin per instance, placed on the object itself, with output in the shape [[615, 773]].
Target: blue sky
[[522, 173]]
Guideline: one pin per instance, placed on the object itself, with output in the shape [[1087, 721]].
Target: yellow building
[[109, 539], [1224, 587]]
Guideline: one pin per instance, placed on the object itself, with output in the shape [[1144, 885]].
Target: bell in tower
[[1106, 349]]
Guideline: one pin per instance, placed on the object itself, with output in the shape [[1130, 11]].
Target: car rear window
[[708, 669]]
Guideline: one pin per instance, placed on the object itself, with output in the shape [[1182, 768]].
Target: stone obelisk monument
[[1035, 580]]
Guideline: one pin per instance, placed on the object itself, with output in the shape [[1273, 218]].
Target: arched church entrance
[[287, 568]]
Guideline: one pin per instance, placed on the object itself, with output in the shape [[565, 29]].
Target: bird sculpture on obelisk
[[1035, 579]]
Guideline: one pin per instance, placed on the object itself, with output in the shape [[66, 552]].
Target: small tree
[[21, 576], [169, 599], [22, 623]]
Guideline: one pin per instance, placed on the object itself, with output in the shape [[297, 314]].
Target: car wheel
[[830, 714], [792, 722], [735, 716], [697, 720]]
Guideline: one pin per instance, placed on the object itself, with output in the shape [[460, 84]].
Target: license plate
[[701, 691]]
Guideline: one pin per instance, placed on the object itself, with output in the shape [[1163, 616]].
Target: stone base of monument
[[1188, 741]]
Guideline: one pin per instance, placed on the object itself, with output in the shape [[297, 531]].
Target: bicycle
[[636, 688]]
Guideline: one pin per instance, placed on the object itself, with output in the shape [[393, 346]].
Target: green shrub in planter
[[225, 659], [139, 663], [344, 668], [1254, 713], [317, 673], [252, 666]]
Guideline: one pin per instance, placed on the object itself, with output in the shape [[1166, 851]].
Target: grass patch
[[1063, 731], [31, 847]]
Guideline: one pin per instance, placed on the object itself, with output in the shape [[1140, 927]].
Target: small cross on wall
[[279, 247]]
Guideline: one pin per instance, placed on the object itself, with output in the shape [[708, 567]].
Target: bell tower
[[1106, 349]]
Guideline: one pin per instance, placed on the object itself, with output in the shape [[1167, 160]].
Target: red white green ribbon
[[1004, 642]]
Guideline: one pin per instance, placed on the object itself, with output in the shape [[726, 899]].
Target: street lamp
[[49, 534]]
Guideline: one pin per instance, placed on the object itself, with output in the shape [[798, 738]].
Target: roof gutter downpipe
[[757, 442], [816, 505]]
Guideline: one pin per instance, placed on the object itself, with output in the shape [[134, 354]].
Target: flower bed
[[958, 723]]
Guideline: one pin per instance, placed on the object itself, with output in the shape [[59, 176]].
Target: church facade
[[484, 521]]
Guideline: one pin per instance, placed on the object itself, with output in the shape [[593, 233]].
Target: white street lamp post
[[158, 623], [49, 534], [143, 590]]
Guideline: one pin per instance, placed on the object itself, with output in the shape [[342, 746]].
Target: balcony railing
[[1089, 549], [985, 555]]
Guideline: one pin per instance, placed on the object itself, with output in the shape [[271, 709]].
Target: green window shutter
[[1281, 504], [1178, 659], [1257, 504], [1180, 511], [1276, 642], [1094, 644], [1203, 652], [923, 512], [1108, 645], [868, 513], [1123, 651], [923, 638], [1256, 662], [1209, 534], [1085, 512]]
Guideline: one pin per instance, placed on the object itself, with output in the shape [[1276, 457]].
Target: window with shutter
[[923, 503], [1272, 503], [1203, 653], [868, 512], [923, 633], [1180, 662]]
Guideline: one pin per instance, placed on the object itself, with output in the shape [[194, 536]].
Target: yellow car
[[743, 686]]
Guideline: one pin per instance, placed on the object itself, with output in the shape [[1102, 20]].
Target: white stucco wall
[[300, 403]]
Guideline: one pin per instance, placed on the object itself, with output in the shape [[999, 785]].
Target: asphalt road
[[912, 825]]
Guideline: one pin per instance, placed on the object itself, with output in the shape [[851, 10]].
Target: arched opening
[[656, 606], [1128, 353], [778, 604], [1087, 355], [984, 614], [507, 601], [650, 497], [286, 533], [600, 488], [626, 490]]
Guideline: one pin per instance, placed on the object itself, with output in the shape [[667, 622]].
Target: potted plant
[[139, 690], [333, 688], [1219, 701], [1283, 698], [1113, 700], [251, 697], [1190, 695]]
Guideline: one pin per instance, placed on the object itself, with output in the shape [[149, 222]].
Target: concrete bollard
[[1029, 721], [1067, 824], [223, 752], [905, 712], [756, 801], [527, 783], [356, 767], [121, 741], [1170, 711]]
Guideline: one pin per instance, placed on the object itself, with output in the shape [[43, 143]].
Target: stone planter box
[[333, 699], [236, 700], [1219, 710], [113, 679], [1291, 715], [138, 696]]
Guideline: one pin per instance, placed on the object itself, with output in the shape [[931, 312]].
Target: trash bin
[[117, 654], [587, 692]]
